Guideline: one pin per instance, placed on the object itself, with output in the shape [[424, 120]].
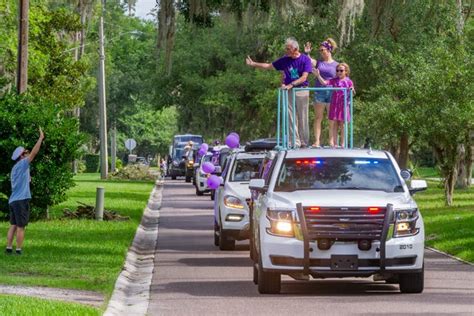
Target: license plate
[[342, 262]]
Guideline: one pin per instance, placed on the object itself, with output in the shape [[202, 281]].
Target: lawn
[[79, 254], [20, 305], [449, 229]]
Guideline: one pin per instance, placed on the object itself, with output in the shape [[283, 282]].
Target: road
[[192, 277]]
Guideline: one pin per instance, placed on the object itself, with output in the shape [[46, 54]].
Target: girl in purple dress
[[336, 107]]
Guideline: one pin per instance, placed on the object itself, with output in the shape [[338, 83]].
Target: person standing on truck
[[327, 69], [336, 107], [19, 201], [295, 68]]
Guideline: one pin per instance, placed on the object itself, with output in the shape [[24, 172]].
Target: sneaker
[[19, 252], [8, 251]]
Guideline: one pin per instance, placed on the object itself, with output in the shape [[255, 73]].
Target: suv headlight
[[405, 223], [281, 223], [233, 202]]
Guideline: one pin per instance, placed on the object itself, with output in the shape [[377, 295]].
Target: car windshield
[[245, 169], [338, 174], [178, 153]]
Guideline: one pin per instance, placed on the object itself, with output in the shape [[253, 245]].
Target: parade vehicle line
[[191, 275]]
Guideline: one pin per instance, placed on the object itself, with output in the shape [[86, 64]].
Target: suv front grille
[[344, 223]]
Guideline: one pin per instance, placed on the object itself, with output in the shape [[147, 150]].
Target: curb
[[450, 256], [132, 288]]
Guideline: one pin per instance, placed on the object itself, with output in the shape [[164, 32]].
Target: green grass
[[20, 305], [449, 229], [79, 254], [426, 172]]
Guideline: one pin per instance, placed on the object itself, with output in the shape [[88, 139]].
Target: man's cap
[[17, 152]]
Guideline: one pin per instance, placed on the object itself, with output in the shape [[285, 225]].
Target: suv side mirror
[[406, 174], [258, 185], [417, 186]]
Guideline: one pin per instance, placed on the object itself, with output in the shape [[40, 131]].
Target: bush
[[118, 163], [92, 162], [51, 171], [133, 172]]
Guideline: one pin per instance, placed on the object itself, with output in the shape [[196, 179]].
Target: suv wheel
[[198, 192], [225, 243], [216, 235], [212, 194], [255, 274], [268, 282], [173, 177], [412, 282]]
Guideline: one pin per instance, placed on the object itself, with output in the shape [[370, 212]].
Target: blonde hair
[[332, 42], [346, 67]]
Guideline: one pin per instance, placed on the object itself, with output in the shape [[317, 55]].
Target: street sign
[[130, 144]]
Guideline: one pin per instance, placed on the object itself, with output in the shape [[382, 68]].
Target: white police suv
[[325, 213]]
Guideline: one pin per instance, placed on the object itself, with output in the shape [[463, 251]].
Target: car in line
[[335, 213], [231, 211]]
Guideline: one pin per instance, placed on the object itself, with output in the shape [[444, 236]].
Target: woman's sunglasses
[[340, 70]]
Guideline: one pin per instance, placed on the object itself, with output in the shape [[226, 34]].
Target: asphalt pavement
[[192, 277]]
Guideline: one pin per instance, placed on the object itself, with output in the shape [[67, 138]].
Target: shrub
[[92, 162], [51, 171], [133, 172]]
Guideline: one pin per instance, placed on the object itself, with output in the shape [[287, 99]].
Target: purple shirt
[[293, 68], [326, 70]]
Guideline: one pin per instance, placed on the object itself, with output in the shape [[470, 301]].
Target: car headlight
[[281, 223], [405, 223], [190, 163], [233, 202]]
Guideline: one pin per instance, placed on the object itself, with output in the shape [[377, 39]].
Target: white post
[[99, 204]]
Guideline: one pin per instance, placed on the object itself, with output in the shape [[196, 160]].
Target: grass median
[[448, 228], [79, 254]]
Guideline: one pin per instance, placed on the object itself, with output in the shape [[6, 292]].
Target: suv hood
[[341, 198], [238, 189]]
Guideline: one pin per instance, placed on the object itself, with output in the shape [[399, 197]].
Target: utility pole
[[22, 71], [102, 100], [113, 149]]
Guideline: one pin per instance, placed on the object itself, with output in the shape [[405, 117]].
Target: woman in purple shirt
[[327, 68]]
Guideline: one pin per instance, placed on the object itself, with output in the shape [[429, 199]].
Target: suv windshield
[[245, 169], [338, 174]]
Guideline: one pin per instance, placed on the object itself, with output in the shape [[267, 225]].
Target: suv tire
[[173, 177], [255, 274], [268, 282], [216, 235], [412, 282], [213, 192], [199, 193], [225, 243]]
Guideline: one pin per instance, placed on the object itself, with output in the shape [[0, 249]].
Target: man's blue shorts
[[322, 96], [20, 212]]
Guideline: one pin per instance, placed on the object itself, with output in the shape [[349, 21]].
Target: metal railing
[[283, 122]]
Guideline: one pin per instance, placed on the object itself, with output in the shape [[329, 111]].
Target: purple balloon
[[232, 141], [235, 134], [202, 152], [213, 182], [208, 167], [204, 147]]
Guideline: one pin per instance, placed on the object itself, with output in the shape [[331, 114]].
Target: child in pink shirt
[[336, 107]]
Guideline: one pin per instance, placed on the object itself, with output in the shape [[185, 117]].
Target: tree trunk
[[449, 183], [461, 181], [404, 147]]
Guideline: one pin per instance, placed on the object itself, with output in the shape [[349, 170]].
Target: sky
[[143, 7]]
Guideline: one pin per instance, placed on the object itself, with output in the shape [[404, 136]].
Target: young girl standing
[[336, 107]]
